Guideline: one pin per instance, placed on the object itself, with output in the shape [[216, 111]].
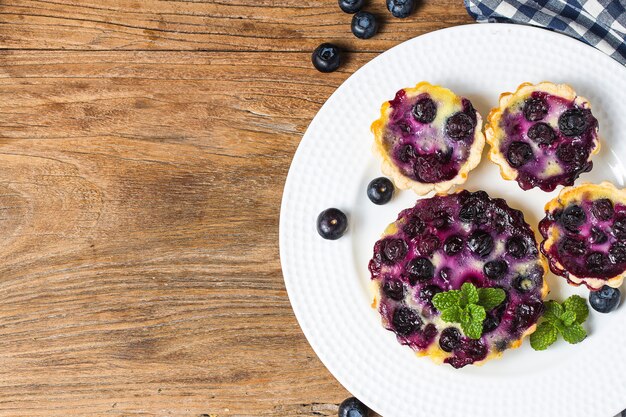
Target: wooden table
[[144, 148]]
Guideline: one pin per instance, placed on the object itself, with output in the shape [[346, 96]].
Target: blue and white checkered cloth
[[600, 23]]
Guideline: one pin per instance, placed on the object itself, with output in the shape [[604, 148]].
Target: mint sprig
[[565, 319], [468, 306]]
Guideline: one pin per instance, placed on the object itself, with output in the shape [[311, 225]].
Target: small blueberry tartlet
[[428, 138], [542, 135], [437, 246], [584, 234]]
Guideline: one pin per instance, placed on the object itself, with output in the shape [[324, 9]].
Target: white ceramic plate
[[327, 281]]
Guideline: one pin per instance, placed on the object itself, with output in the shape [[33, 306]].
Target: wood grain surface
[[144, 145]]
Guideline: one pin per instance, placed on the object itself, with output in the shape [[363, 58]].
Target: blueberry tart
[[429, 138], [584, 235], [442, 243], [542, 135]]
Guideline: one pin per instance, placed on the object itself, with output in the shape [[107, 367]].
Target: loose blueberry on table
[[401, 8], [605, 300], [351, 6], [364, 25], [380, 190], [442, 243], [428, 138], [326, 57], [352, 407], [584, 233], [332, 224], [542, 136]]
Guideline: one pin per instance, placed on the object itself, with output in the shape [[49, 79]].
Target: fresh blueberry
[[394, 290], [605, 300], [393, 250], [351, 6], [401, 8], [572, 246], [595, 262], [619, 227], [450, 339], [573, 122], [326, 58], [516, 247], [459, 126], [332, 224], [413, 227], [573, 217], [617, 252], [598, 236], [542, 133], [535, 109], [406, 321], [453, 245], [481, 243], [352, 407], [364, 25], [495, 269], [380, 190], [519, 153], [425, 110], [420, 269], [428, 292], [602, 209]]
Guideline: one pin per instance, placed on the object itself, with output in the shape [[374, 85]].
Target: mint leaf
[[464, 316], [445, 300], [472, 330], [553, 311], [451, 315], [469, 294], [574, 333], [490, 298], [544, 336], [568, 318], [473, 326], [577, 305]]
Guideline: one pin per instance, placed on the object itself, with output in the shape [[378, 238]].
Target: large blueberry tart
[[542, 135], [584, 233], [428, 138], [442, 243]]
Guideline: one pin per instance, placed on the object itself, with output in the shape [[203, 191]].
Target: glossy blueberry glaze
[[421, 256], [592, 239], [548, 139], [426, 149]]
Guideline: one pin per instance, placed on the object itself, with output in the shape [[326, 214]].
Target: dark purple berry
[[364, 25], [445, 274], [602, 209], [535, 109], [453, 245], [598, 236], [442, 220], [480, 243], [573, 217], [516, 247], [519, 153], [428, 292], [380, 190], [394, 290], [495, 269], [420, 269], [491, 323], [619, 228], [450, 339], [525, 314], [351, 6], [573, 122], [542, 133], [326, 58], [595, 262], [605, 300], [429, 169], [425, 110], [401, 8], [406, 321], [524, 283], [475, 349], [406, 153], [617, 252], [393, 250], [428, 244], [568, 153], [413, 227], [572, 246], [332, 224], [352, 407], [459, 126]]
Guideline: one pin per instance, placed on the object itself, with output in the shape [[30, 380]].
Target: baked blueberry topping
[[519, 153], [413, 227], [573, 122], [535, 109], [425, 110], [326, 57], [480, 243], [406, 153], [428, 244], [332, 224], [598, 236], [401, 8], [491, 323], [516, 247], [617, 252], [429, 169], [428, 292], [524, 283], [364, 25], [393, 250], [602, 209], [406, 321], [352, 407], [475, 349], [459, 126], [380, 190], [453, 245], [445, 274], [605, 300], [525, 314], [495, 269], [573, 217], [542, 133], [394, 290], [572, 246], [619, 228], [421, 269], [351, 6], [450, 339], [595, 262]]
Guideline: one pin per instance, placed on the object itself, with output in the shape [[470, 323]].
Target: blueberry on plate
[[332, 224], [380, 190], [351, 6], [401, 8], [364, 25], [352, 407], [326, 58], [605, 300]]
